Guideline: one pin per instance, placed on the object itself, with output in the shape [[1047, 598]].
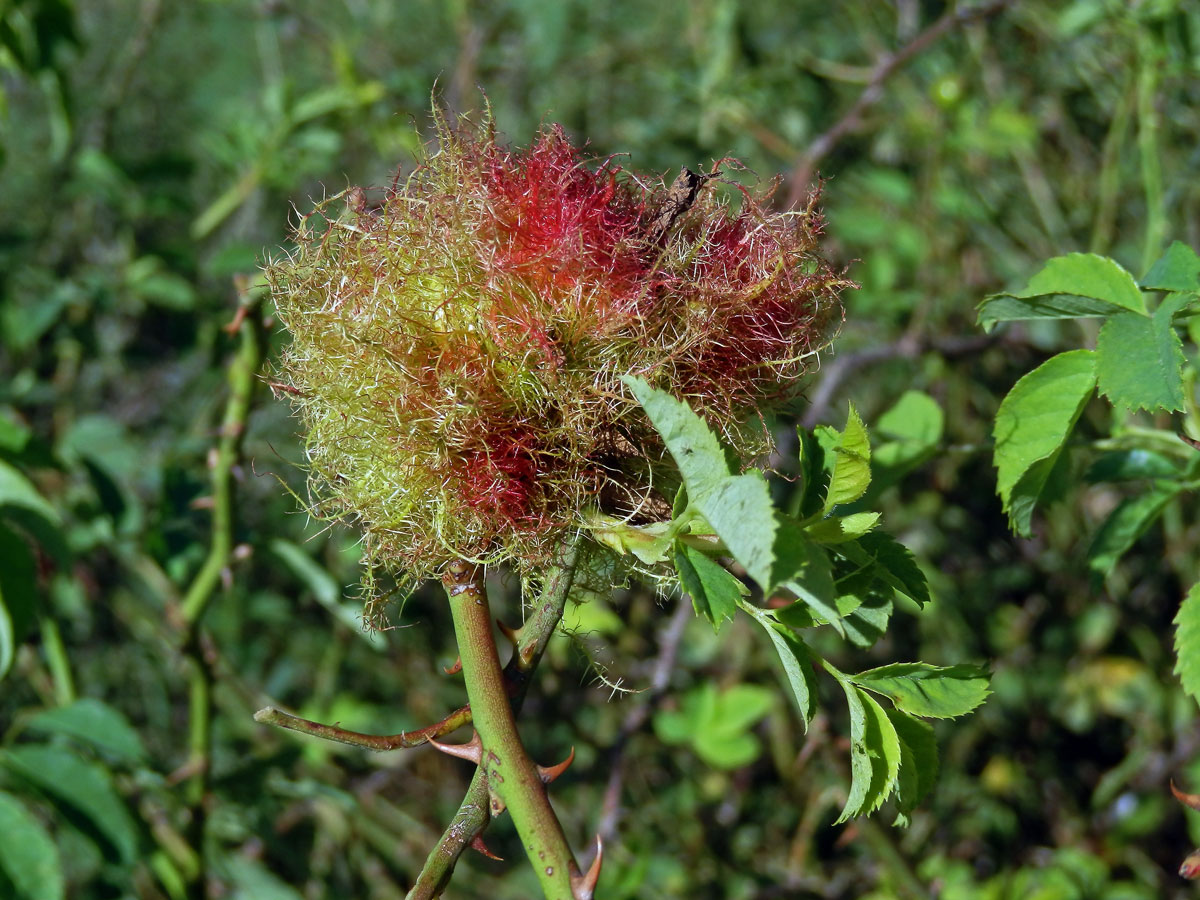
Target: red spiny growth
[[569, 233], [499, 478], [457, 350]]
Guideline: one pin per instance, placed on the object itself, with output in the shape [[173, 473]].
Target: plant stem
[[404, 740], [1148, 126], [58, 661], [473, 814], [241, 376], [512, 778]]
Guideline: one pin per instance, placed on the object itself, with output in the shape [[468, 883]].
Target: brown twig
[[884, 68], [381, 742]]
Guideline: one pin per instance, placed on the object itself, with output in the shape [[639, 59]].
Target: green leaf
[[1126, 524], [1187, 642], [14, 434], [18, 594], [918, 759], [1033, 423], [696, 450], [738, 507], [1068, 287], [795, 657], [814, 476], [21, 503], [921, 689], [912, 429], [81, 785], [874, 753], [894, 564], [714, 591], [1177, 270], [28, 855], [716, 723], [851, 464], [915, 419], [1140, 360], [867, 622], [839, 529], [1131, 465], [804, 569], [96, 724]]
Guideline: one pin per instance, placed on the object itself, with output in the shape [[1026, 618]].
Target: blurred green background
[[152, 154]]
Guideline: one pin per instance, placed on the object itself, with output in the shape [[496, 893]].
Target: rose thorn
[[471, 750], [550, 773], [583, 887]]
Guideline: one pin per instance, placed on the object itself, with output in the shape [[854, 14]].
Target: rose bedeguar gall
[[457, 347]]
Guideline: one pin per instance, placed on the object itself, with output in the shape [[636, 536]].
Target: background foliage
[[150, 154]]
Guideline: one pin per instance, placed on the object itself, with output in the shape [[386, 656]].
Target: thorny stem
[[402, 741], [241, 377], [473, 814], [513, 780]]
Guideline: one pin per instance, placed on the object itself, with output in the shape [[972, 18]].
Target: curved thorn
[[454, 669], [472, 749], [478, 844], [549, 773], [583, 887], [1191, 800], [508, 632]]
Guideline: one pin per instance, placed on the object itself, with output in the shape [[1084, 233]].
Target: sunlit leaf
[[1177, 270], [933, 691], [918, 759], [874, 753], [795, 658], [738, 507], [1068, 287], [851, 463], [1187, 642], [1033, 423], [714, 591], [1139, 360]]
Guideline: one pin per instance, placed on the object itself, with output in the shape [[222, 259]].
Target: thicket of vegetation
[[158, 584]]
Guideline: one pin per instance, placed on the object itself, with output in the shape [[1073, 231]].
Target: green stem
[[513, 779], [58, 661], [473, 814], [242, 375], [1148, 126]]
